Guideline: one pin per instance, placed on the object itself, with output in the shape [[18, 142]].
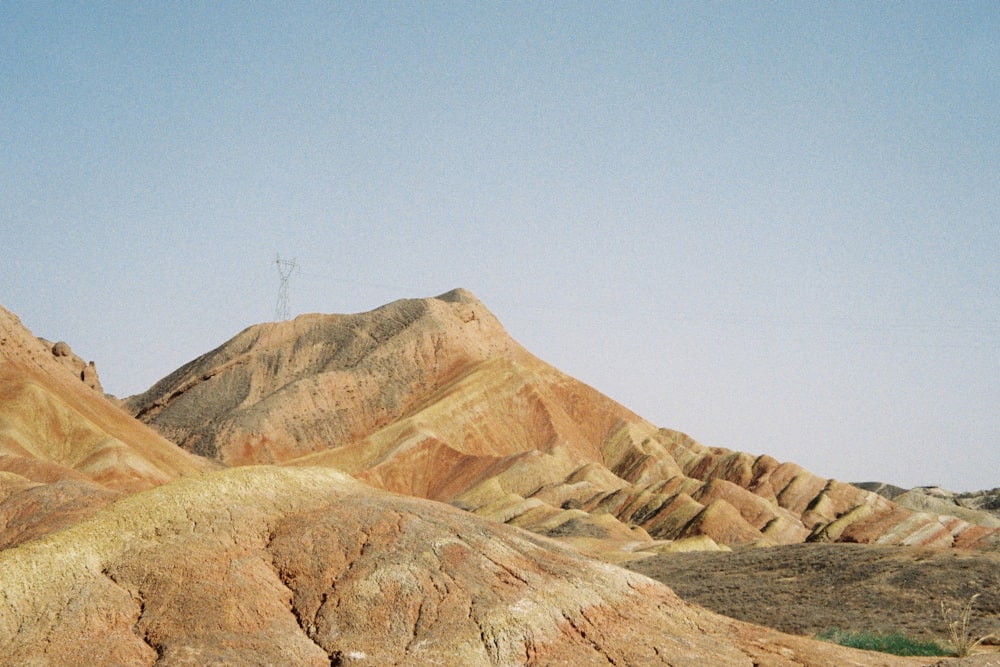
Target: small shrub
[[959, 632], [895, 643]]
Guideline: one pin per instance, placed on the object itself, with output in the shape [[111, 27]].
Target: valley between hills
[[410, 486]]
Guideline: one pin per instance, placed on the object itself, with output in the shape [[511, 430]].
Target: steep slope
[[432, 398], [64, 448], [265, 565]]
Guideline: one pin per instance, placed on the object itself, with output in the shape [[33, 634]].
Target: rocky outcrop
[[432, 398], [86, 371], [265, 565]]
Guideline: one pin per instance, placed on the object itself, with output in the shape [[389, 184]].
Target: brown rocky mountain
[[306, 566], [123, 549], [64, 449], [432, 398]]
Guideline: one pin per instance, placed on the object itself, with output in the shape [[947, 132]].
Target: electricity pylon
[[285, 269]]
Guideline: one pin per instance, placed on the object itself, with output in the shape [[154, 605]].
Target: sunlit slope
[[432, 398], [286, 389], [64, 447]]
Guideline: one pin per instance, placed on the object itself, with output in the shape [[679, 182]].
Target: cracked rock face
[[306, 566]]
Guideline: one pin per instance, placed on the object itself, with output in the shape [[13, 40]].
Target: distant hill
[[432, 398], [980, 507]]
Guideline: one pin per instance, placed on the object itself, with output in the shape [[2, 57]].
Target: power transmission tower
[[285, 269]]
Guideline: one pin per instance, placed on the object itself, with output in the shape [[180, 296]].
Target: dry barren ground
[[807, 588]]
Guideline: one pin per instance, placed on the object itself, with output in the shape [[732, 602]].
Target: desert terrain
[[410, 486], [808, 588]]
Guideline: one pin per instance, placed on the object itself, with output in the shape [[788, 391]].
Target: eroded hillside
[[120, 548], [432, 398]]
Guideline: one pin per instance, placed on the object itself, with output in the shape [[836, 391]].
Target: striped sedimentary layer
[[432, 398]]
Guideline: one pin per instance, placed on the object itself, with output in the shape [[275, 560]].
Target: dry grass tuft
[[960, 634]]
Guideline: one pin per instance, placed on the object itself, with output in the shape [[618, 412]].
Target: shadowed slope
[[306, 566], [433, 398]]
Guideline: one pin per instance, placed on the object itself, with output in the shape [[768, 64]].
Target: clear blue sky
[[774, 226]]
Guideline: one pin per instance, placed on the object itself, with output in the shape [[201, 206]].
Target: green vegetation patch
[[895, 643]]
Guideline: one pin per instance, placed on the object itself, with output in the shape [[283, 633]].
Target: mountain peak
[[458, 295], [332, 378]]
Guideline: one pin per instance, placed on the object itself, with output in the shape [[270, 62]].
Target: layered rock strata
[[432, 398]]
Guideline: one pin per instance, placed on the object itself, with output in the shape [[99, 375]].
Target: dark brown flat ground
[[807, 588]]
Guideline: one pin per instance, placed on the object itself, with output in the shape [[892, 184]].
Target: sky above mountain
[[774, 226]]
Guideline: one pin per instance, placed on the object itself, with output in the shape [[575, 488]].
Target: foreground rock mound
[[308, 567], [432, 398]]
